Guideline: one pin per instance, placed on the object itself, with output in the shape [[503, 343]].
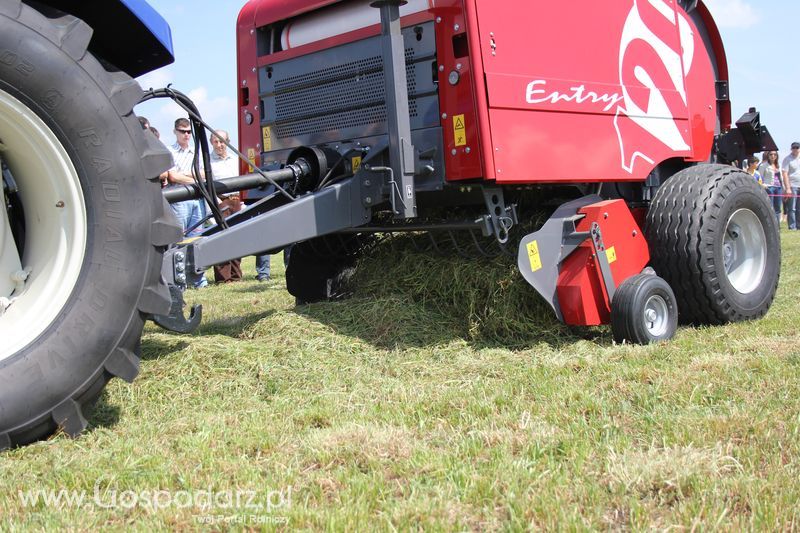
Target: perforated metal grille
[[347, 95], [344, 119], [346, 70]]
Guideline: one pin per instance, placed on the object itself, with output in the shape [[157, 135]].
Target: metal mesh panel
[[347, 95], [334, 121], [346, 70]]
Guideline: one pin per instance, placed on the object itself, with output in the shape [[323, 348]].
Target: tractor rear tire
[[714, 237], [96, 225]]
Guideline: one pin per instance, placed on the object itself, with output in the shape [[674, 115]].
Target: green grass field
[[442, 396]]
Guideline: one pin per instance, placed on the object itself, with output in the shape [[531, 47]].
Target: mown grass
[[424, 403]]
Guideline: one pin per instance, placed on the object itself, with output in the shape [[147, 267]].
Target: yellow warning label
[[251, 156], [533, 256], [460, 130], [356, 163], [266, 133], [611, 255]]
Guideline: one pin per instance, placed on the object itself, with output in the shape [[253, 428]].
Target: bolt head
[[438, 20], [453, 151], [467, 150], [180, 256], [368, 200], [19, 276], [456, 27]]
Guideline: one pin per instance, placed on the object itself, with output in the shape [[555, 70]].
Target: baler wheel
[[644, 310], [714, 237], [84, 240]]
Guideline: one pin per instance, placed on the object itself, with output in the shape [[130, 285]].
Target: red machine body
[[582, 294], [572, 92], [625, 86]]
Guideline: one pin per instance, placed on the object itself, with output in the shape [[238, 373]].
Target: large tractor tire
[[714, 237], [88, 222]]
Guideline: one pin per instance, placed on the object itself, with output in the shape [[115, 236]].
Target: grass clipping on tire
[[427, 297]]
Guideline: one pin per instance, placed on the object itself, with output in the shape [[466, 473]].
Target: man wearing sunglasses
[[191, 212]]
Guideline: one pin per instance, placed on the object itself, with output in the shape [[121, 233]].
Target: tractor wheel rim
[[55, 226], [656, 315], [744, 250]]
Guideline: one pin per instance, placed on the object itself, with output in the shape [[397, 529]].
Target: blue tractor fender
[[128, 34]]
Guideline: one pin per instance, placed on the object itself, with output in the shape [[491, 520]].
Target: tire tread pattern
[[681, 231], [72, 35]]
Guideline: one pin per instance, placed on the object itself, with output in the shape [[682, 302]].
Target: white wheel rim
[[55, 224], [744, 251], [656, 315]]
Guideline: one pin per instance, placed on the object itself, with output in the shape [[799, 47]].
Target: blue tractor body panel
[[128, 34]]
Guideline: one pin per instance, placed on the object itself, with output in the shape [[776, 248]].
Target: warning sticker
[[266, 133], [356, 163], [251, 156], [533, 256], [460, 130], [611, 255]]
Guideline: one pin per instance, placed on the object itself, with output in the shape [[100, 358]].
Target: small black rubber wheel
[[644, 310], [713, 236], [87, 231]]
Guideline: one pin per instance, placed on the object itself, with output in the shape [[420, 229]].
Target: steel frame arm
[[334, 208]]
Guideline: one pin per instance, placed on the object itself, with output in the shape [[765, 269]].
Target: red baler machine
[[362, 117]]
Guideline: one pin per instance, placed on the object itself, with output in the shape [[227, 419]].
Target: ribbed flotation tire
[[56, 358], [714, 238]]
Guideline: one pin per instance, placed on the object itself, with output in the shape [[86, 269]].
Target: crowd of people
[[192, 214], [781, 179]]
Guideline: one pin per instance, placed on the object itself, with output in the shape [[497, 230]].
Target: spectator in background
[[770, 170], [155, 132], [191, 212], [752, 169], [225, 165], [262, 267], [791, 180]]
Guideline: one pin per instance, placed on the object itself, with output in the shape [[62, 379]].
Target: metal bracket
[[500, 218], [175, 321], [401, 152], [542, 252], [602, 260], [173, 269], [723, 91], [12, 275]]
